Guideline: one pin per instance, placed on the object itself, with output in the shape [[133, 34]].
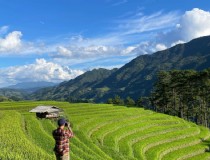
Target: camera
[[66, 124]]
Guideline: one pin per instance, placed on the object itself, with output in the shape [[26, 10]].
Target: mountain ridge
[[73, 87]]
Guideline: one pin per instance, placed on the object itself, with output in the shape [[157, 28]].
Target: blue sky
[[57, 40]]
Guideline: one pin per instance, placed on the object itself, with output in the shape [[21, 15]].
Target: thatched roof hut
[[47, 111]]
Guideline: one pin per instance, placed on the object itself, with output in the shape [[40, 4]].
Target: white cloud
[[128, 50], [3, 29], [160, 47], [192, 24], [177, 42], [99, 49], [78, 52], [63, 52], [144, 23], [144, 48], [41, 70], [11, 42]]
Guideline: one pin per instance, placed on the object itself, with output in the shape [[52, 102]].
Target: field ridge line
[[200, 151], [161, 133], [161, 155]]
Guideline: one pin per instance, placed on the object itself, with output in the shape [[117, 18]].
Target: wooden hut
[[47, 111]]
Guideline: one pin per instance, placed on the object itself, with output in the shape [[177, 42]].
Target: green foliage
[[139, 102], [110, 101], [185, 94], [117, 100], [129, 101], [3, 99], [13, 94]]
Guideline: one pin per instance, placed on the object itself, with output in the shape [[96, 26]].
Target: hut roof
[[48, 109]]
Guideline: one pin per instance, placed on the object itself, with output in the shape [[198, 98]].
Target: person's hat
[[61, 122]]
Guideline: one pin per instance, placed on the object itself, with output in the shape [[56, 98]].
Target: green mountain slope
[[77, 88], [14, 94], [136, 78]]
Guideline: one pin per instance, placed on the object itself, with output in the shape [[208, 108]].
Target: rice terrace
[[102, 132]]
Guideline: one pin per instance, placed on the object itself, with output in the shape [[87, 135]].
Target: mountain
[[22, 91], [78, 88], [14, 94], [31, 86], [136, 78]]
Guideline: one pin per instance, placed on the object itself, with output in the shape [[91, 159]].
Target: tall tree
[[183, 93]]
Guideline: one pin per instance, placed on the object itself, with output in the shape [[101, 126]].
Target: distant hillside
[[134, 79], [32, 86], [14, 94], [22, 91], [77, 88]]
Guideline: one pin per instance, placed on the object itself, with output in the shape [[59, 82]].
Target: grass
[[102, 132]]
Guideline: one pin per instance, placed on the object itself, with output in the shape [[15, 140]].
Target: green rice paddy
[[102, 132]]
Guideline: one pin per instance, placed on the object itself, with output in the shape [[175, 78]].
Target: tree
[[183, 93], [129, 101], [139, 102], [117, 100], [3, 98], [15, 98], [110, 101], [161, 94]]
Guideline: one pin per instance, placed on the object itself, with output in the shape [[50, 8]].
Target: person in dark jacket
[[62, 135]]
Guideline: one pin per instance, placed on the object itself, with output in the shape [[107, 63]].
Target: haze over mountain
[[135, 79], [32, 86], [21, 91]]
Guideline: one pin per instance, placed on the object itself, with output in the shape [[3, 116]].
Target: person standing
[[62, 135]]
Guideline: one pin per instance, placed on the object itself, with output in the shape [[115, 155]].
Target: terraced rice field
[[102, 132]]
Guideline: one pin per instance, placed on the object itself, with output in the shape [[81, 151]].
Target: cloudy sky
[[57, 40]]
